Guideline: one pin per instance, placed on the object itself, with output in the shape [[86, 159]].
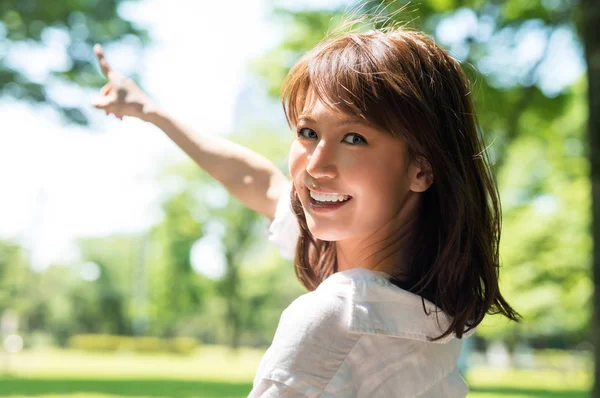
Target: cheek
[[381, 185], [297, 160], [370, 174]]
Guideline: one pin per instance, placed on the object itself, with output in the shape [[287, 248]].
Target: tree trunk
[[232, 297], [591, 39]]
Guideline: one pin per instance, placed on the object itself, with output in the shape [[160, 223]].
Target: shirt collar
[[380, 307]]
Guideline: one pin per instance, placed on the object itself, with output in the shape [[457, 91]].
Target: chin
[[326, 233]]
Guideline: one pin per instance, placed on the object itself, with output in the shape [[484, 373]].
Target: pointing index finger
[[106, 69]]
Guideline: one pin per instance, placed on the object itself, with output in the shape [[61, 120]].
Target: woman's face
[[335, 154]]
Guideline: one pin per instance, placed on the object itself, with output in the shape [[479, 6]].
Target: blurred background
[[126, 271]]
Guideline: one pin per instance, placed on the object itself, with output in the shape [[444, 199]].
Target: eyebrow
[[343, 122]]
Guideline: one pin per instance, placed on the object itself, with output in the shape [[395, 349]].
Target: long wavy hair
[[404, 84]]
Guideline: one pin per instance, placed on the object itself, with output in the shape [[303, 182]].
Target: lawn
[[216, 372]]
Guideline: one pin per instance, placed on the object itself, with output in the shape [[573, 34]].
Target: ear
[[421, 175]]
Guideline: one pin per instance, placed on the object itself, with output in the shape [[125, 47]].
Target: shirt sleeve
[[273, 389], [309, 346], [284, 231]]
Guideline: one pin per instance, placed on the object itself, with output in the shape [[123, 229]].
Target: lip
[[326, 192], [325, 208]]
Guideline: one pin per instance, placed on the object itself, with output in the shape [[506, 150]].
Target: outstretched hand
[[120, 95]]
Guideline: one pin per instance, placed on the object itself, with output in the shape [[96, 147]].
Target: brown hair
[[403, 83]]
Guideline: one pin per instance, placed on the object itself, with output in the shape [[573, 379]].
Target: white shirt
[[356, 336]]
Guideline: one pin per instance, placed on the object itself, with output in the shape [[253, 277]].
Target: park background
[[126, 271]]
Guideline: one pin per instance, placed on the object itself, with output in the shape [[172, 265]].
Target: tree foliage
[[67, 29]]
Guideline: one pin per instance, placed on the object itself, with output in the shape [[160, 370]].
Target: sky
[[61, 182]]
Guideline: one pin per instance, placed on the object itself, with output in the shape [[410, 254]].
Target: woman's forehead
[[313, 105]]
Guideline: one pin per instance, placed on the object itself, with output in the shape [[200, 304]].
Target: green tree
[[268, 285], [14, 275], [20, 292], [177, 291], [182, 295], [591, 36], [239, 238], [98, 306], [244, 228], [71, 27], [102, 301]]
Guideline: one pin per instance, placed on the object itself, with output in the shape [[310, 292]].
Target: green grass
[[216, 372], [488, 383], [96, 388]]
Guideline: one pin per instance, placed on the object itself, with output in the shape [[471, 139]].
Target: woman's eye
[[307, 133], [355, 139], [351, 138]]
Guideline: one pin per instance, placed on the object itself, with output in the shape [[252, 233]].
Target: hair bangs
[[342, 75]]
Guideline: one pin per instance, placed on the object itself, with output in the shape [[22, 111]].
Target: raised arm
[[247, 175]]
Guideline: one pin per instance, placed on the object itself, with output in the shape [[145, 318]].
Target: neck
[[386, 248]]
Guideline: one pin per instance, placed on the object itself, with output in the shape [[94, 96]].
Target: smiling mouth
[[328, 205], [329, 202]]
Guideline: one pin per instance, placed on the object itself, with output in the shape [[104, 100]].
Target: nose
[[321, 162]]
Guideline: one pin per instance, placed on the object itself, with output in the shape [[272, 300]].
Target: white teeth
[[327, 197]]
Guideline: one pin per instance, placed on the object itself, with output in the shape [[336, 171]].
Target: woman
[[392, 216]]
